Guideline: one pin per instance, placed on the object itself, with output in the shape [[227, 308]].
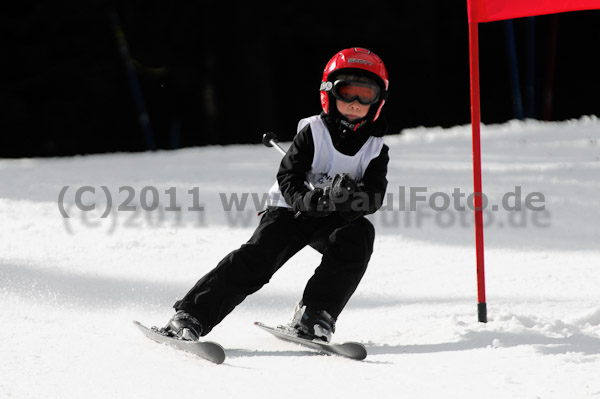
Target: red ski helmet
[[355, 60]]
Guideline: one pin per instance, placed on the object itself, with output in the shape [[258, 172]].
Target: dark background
[[228, 73]]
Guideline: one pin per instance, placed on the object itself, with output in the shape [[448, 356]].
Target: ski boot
[[183, 326], [312, 324]]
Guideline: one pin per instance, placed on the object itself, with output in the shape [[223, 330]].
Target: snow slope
[[70, 287]]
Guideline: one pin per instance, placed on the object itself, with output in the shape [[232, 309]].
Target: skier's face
[[353, 111]]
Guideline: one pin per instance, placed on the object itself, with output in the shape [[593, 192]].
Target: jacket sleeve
[[294, 166], [375, 181]]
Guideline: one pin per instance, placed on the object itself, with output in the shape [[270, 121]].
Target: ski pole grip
[[270, 140]]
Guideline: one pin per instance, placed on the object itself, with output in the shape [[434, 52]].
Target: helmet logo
[[359, 61], [326, 86]]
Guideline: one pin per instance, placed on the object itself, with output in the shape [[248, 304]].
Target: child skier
[[343, 143]]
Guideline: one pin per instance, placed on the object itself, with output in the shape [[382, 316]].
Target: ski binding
[[207, 350]]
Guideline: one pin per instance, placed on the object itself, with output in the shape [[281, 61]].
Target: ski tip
[[362, 355], [221, 359], [139, 325]]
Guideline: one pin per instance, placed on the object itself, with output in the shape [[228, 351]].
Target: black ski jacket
[[298, 160]]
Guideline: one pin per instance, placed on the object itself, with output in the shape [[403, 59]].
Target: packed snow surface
[[142, 228]]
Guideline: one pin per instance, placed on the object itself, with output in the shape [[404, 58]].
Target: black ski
[[352, 350], [207, 350]]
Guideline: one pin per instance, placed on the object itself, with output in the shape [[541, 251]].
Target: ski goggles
[[350, 90]]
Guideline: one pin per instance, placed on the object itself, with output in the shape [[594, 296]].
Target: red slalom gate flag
[[495, 10]]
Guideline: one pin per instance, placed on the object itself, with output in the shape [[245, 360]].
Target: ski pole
[[270, 140]]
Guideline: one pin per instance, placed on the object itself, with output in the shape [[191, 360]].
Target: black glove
[[344, 191], [314, 203], [349, 200]]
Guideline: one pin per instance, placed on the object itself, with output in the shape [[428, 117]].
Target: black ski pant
[[346, 249]]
